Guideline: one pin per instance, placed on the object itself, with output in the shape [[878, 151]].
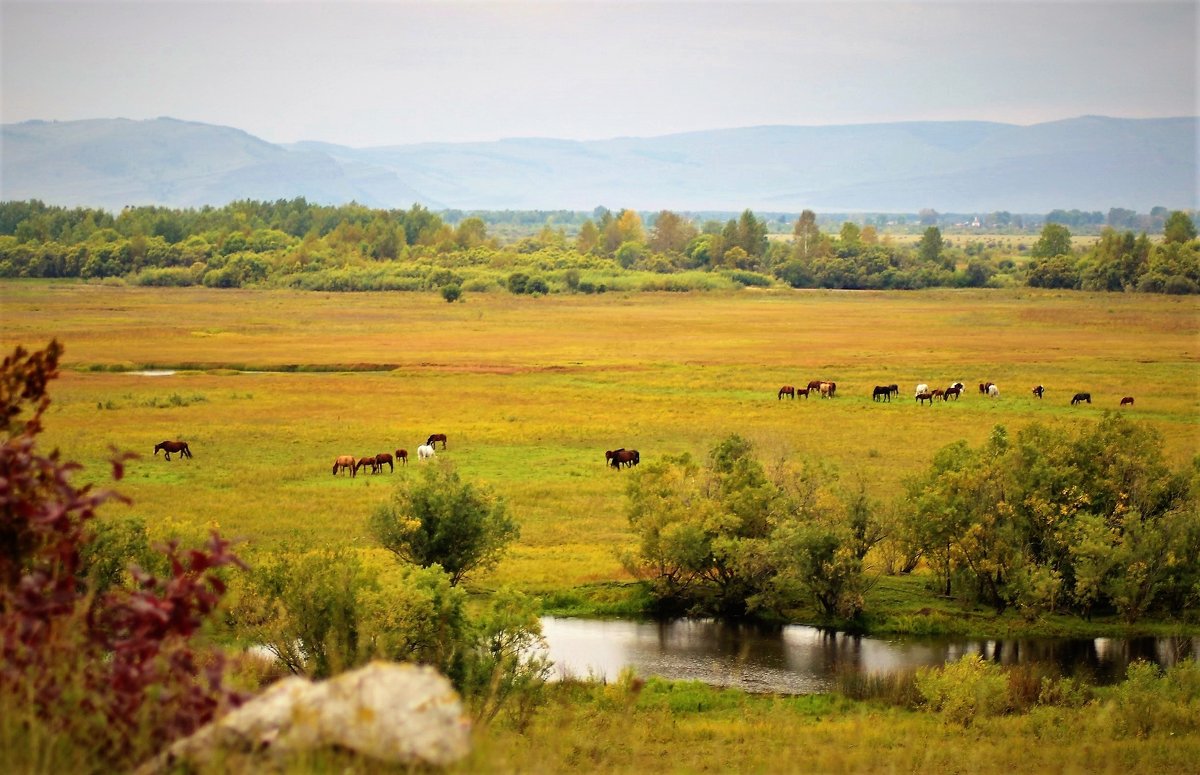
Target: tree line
[[297, 244]]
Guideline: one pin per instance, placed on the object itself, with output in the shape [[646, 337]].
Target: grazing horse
[[827, 390], [802, 392], [787, 390], [953, 390], [367, 462], [1080, 397], [1038, 391], [384, 457], [922, 388], [926, 396], [173, 446], [624, 457], [1127, 401], [434, 438], [343, 462], [894, 390], [958, 385], [814, 384], [938, 393], [425, 452], [402, 456], [883, 391], [993, 391], [984, 388]]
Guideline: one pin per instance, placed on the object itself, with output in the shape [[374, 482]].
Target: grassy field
[[531, 391]]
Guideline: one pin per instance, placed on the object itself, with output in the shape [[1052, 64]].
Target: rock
[[396, 713]]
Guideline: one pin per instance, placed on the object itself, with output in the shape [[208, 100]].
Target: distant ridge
[[1086, 163]]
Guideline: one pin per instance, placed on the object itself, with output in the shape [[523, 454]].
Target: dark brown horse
[[173, 446], [381, 458], [402, 456], [802, 392], [952, 391], [623, 457], [923, 397], [1038, 391], [983, 387], [367, 462], [882, 393], [786, 390], [1127, 401], [344, 462], [814, 385], [434, 438], [1081, 397]]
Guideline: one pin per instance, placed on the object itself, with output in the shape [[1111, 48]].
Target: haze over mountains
[[1087, 163]]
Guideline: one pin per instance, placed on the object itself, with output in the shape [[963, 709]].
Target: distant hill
[[1088, 163]]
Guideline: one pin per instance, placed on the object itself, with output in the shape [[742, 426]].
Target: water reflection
[[797, 659]]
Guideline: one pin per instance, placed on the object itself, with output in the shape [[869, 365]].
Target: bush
[[965, 690], [439, 519], [451, 293]]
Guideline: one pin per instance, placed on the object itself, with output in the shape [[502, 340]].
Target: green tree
[[589, 237], [437, 518], [1179, 227], [805, 235], [931, 246], [1054, 241]]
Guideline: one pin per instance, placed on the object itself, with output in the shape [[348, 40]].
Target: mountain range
[[1087, 163]]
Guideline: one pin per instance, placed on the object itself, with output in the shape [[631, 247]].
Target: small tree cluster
[[729, 540]]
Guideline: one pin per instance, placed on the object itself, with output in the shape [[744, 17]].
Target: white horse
[[425, 452], [922, 388], [993, 391]]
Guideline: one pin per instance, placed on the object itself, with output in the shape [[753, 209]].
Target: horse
[[938, 393], [984, 388], [173, 446], [953, 390], [384, 457], [826, 390], [365, 462], [958, 385], [1080, 397], [925, 396], [881, 390], [922, 388], [786, 390], [1038, 391], [993, 391], [802, 392], [894, 390], [625, 457], [343, 462], [402, 456], [814, 384], [1127, 401], [425, 452], [434, 438], [832, 389]]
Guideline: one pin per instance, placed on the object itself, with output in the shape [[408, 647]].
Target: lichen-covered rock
[[392, 712]]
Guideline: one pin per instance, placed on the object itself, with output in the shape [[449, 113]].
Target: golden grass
[[531, 391]]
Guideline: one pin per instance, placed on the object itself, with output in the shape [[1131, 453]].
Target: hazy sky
[[378, 73]]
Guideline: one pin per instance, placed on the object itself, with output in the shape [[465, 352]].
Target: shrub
[[119, 674], [451, 293], [439, 519], [964, 690]]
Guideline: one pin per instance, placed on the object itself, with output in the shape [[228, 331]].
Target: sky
[[392, 72]]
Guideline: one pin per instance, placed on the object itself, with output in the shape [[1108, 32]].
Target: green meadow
[[271, 386]]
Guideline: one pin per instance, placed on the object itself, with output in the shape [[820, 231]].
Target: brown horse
[[786, 390], [802, 392], [923, 397], [384, 457], [814, 385], [1127, 401], [952, 391], [1039, 391], [882, 393], [367, 462], [624, 457], [434, 438], [939, 393], [343, 462], [173, 446], [402, 456]]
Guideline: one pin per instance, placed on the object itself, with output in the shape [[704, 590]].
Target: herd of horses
[[923, 394], [376, 462]]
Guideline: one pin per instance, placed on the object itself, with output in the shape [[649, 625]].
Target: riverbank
[[895, 605]]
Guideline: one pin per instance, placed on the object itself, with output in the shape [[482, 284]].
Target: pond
[[795, 659]]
